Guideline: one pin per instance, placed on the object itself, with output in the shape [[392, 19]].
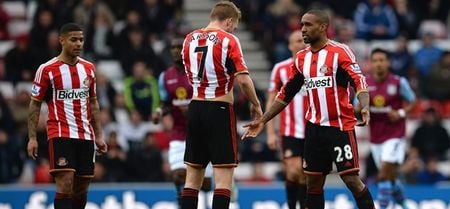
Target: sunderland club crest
[[324, 69]]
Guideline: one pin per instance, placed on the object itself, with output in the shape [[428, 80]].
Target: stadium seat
[[23, 86], [17, 27], [111, 69], [15, 9]]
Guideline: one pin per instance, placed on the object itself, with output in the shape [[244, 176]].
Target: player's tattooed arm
[[33, 118], [95, 111]]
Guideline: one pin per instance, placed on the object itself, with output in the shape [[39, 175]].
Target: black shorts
[[325, 145], [211, 135], [292, 147], [72, 155]]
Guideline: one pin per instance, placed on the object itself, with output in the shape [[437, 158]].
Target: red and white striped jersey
[[212, 57], [66, 89], [292, 118], [327, 75]]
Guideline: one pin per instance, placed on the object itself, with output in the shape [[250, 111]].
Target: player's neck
[[70, 60], [213, 25], [319, 44], [380, 77]]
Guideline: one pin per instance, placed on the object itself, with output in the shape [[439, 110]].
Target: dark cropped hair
[[69, 27], [380, 50]]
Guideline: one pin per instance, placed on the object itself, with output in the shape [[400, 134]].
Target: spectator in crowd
[[154, 15], [100, 36], [133, 20], [431, 139], [432, 9], [4, 20], [407, 18], [136, 50], [61, 10], [439, 79], [86, 11], [11, 158], [105, 92], [411, 167], [20, 61], [51, 50], [401, 59], [6, 116], [141, 91], [146, 163], [44, 23], [115, 160], [134, 131], [424, 58], [375, 20], [430, 173]]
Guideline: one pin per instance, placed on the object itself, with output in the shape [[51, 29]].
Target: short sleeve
[[93, 84], [275, 80], [40, 85], [347, 62], [236, 55]]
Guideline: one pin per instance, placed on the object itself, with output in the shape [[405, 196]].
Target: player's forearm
[[95, 112], [363, 98], [276, 108], [270, 126], [248, 89], [33, 118]]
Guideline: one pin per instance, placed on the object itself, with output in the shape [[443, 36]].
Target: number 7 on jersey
[[203, 50]]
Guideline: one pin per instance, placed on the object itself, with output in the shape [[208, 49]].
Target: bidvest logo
[[318, 82], [73, 94]]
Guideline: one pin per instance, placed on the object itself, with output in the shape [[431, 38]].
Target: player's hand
[[394, 115], [32, 149], [102, 148], [273, 141], [253, 129], [365, 115], [256, 111]]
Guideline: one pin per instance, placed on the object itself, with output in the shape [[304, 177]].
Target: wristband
[[401, 113]]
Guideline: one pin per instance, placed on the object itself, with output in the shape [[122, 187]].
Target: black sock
[[364, 199], [63, 201], [221, 199], [315, 200], [291, 193], [79, 201], [189, 198], [301, 195], [179, 189]]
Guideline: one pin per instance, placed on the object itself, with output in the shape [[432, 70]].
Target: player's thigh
[[317, 160], [376, 150], [62, 155], [196, 152], [85, 152], [344, 151], [223, 139]]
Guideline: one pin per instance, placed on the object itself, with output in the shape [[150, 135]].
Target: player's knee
[[353, 182]]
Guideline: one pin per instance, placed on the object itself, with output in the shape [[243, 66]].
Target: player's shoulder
[[86, 62], [283, 63], [338, 46]]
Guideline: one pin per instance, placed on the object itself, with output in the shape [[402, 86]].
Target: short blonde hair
[[224, 10]]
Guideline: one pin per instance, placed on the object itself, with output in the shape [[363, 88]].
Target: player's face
[[175, 49], [72, 42], [296, 42], [312, 28], [380, 63]]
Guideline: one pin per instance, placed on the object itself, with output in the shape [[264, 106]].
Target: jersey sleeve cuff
[[281, 101], [361, 91], [241, 72]]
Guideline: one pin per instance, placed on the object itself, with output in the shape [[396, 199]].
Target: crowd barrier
[[162, 196]]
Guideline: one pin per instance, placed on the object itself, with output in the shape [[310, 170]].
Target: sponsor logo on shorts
[[318, 82], [62, 161]]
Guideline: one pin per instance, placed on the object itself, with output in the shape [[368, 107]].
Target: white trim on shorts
[[391, 151]]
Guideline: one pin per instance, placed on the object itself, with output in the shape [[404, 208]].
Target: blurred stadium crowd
[[129, 42]]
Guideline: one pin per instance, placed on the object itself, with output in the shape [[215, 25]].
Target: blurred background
[[130, 38]]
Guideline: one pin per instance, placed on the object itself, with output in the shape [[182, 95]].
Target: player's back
[[212, 57]]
